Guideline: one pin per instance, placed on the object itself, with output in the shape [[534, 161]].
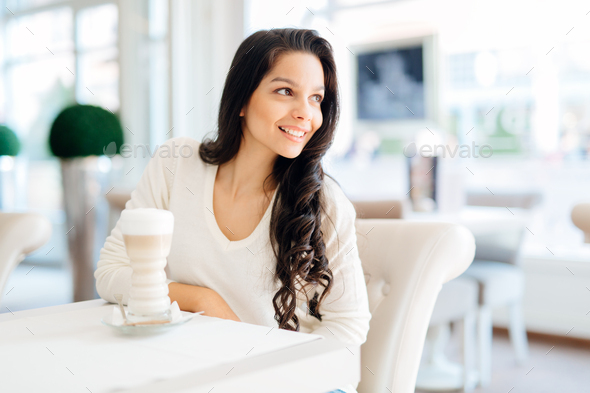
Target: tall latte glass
[[147, 234]]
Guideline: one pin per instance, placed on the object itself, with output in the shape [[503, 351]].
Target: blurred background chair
[[524, 200], [457, 301], [497, 270], [383, 208], [581, 219], [20, 234], [405, 266]]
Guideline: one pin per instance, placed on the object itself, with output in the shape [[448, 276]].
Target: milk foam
[[146, 221]]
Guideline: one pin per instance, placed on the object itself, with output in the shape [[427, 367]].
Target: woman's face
[[289, 96]]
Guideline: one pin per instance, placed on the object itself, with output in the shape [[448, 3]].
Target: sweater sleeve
[[113, 273], [345, 310]]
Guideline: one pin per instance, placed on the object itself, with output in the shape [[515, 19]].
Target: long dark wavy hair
[[295, 228]]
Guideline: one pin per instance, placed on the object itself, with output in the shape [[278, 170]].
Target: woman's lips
[[294, 138]]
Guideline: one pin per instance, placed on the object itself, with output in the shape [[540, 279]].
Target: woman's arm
[[193, 298], [113, 271]]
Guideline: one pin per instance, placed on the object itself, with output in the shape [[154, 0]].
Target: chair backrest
[[581, 219], [405, 265], [383, 208], [523, 200], [502, 246], [20, 234], [395, 208]]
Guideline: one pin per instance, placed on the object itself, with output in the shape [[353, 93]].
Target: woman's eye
[[320, 98]]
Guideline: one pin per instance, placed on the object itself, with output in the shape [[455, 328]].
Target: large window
[[159, 99], [537, 121], [53, 54]]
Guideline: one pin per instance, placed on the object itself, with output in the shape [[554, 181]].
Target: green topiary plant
[[84, 130], [9, 143]]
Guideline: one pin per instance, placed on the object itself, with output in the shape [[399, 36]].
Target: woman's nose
[[303, 111]]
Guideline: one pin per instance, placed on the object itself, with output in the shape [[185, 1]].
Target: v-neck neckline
[[212, 222]]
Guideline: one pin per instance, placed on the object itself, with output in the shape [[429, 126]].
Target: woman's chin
[[290, 153]]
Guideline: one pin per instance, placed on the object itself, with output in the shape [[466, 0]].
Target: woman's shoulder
[[336, 204], [183, 147], [179, 156], [333, 192], [180, 143]]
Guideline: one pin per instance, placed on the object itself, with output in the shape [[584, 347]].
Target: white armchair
[[405, 265], [20, 234]]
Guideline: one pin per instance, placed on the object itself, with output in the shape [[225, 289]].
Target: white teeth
[[294, 133]]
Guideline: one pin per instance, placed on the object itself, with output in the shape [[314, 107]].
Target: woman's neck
[[245, 174]]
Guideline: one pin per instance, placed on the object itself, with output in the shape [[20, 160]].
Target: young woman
[[262, 235]]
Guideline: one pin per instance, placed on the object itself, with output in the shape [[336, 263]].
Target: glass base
[[165, 316]]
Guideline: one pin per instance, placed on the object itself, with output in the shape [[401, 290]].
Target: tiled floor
[[554, 366]]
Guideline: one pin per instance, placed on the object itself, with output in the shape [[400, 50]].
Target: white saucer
[[115, 321]]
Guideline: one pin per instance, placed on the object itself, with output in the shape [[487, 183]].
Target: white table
[[67, 349]]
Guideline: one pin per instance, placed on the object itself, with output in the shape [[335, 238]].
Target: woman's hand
[[193, 298]]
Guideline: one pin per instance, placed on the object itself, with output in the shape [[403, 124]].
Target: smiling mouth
[[293, 135]]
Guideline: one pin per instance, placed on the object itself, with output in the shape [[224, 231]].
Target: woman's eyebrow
[[287, 80]]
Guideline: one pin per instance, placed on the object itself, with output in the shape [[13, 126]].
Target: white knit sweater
[[241, 272]]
